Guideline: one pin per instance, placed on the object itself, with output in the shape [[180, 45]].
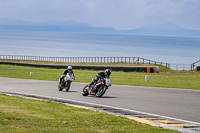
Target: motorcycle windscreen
[[70, 76], [107, 81]]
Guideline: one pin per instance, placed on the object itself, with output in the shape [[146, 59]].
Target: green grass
[[169, 79], [25, 115]]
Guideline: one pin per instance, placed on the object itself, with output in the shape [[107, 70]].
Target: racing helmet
[[108, 72], [69, 68]]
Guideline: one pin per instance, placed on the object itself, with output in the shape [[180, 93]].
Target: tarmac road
[[177, 103]]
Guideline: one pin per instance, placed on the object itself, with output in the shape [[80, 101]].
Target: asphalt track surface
[[177, 103]]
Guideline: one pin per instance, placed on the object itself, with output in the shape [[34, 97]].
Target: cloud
[[121, 14]]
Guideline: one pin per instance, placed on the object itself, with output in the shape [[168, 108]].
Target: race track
[[177, 103]]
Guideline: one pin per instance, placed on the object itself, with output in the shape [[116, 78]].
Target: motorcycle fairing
[[99, 83]]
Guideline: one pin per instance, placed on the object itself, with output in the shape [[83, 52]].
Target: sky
[[119, 14]]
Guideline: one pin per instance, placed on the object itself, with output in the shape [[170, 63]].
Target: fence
[[133, 60], [195, 64], [181, 67]]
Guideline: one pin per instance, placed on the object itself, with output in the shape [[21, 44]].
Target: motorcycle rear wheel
[[85, 90], [101, 91]]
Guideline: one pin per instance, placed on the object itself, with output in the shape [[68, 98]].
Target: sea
[[167, 49]]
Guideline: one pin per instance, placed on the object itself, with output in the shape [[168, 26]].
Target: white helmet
[[69, 68]]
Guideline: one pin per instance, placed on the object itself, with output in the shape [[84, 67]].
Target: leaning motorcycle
[[100, 87], [66, 82]]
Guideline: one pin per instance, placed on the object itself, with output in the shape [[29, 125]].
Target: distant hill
[[59, 26], [167, 29], [79, 27]]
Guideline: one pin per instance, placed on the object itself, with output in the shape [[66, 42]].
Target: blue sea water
[[168, 49]]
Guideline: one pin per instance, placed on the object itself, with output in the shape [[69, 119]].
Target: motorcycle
[[100, 87], [65, 83]]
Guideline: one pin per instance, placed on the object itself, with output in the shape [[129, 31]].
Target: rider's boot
[[91, 83], [60, 80]]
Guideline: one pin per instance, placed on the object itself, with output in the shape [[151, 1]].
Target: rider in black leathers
[[99, 76]]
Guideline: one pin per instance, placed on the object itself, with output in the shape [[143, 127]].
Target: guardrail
[[134, 60]]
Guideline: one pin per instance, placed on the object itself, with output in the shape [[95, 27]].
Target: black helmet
[[107, 72]]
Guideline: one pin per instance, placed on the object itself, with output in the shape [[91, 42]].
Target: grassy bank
[[161, 68], [25, 115], [169, 79]]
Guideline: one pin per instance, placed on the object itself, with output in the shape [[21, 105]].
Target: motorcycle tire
[[68, 86], [101, 91], [85, 90], [59, 87]]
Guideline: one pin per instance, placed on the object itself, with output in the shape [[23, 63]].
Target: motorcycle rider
[[69, 69], [99, 76]]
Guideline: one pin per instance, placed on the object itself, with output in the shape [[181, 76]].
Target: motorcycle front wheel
[[59, 87], [85, 90], [101, 91], [68, 86]]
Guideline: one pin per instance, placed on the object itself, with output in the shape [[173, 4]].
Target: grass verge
[[168, 79], [25, 115]]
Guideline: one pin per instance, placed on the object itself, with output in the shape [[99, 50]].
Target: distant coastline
[[166, 29]]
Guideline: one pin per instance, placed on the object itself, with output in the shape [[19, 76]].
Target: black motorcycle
[[98, 89]]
